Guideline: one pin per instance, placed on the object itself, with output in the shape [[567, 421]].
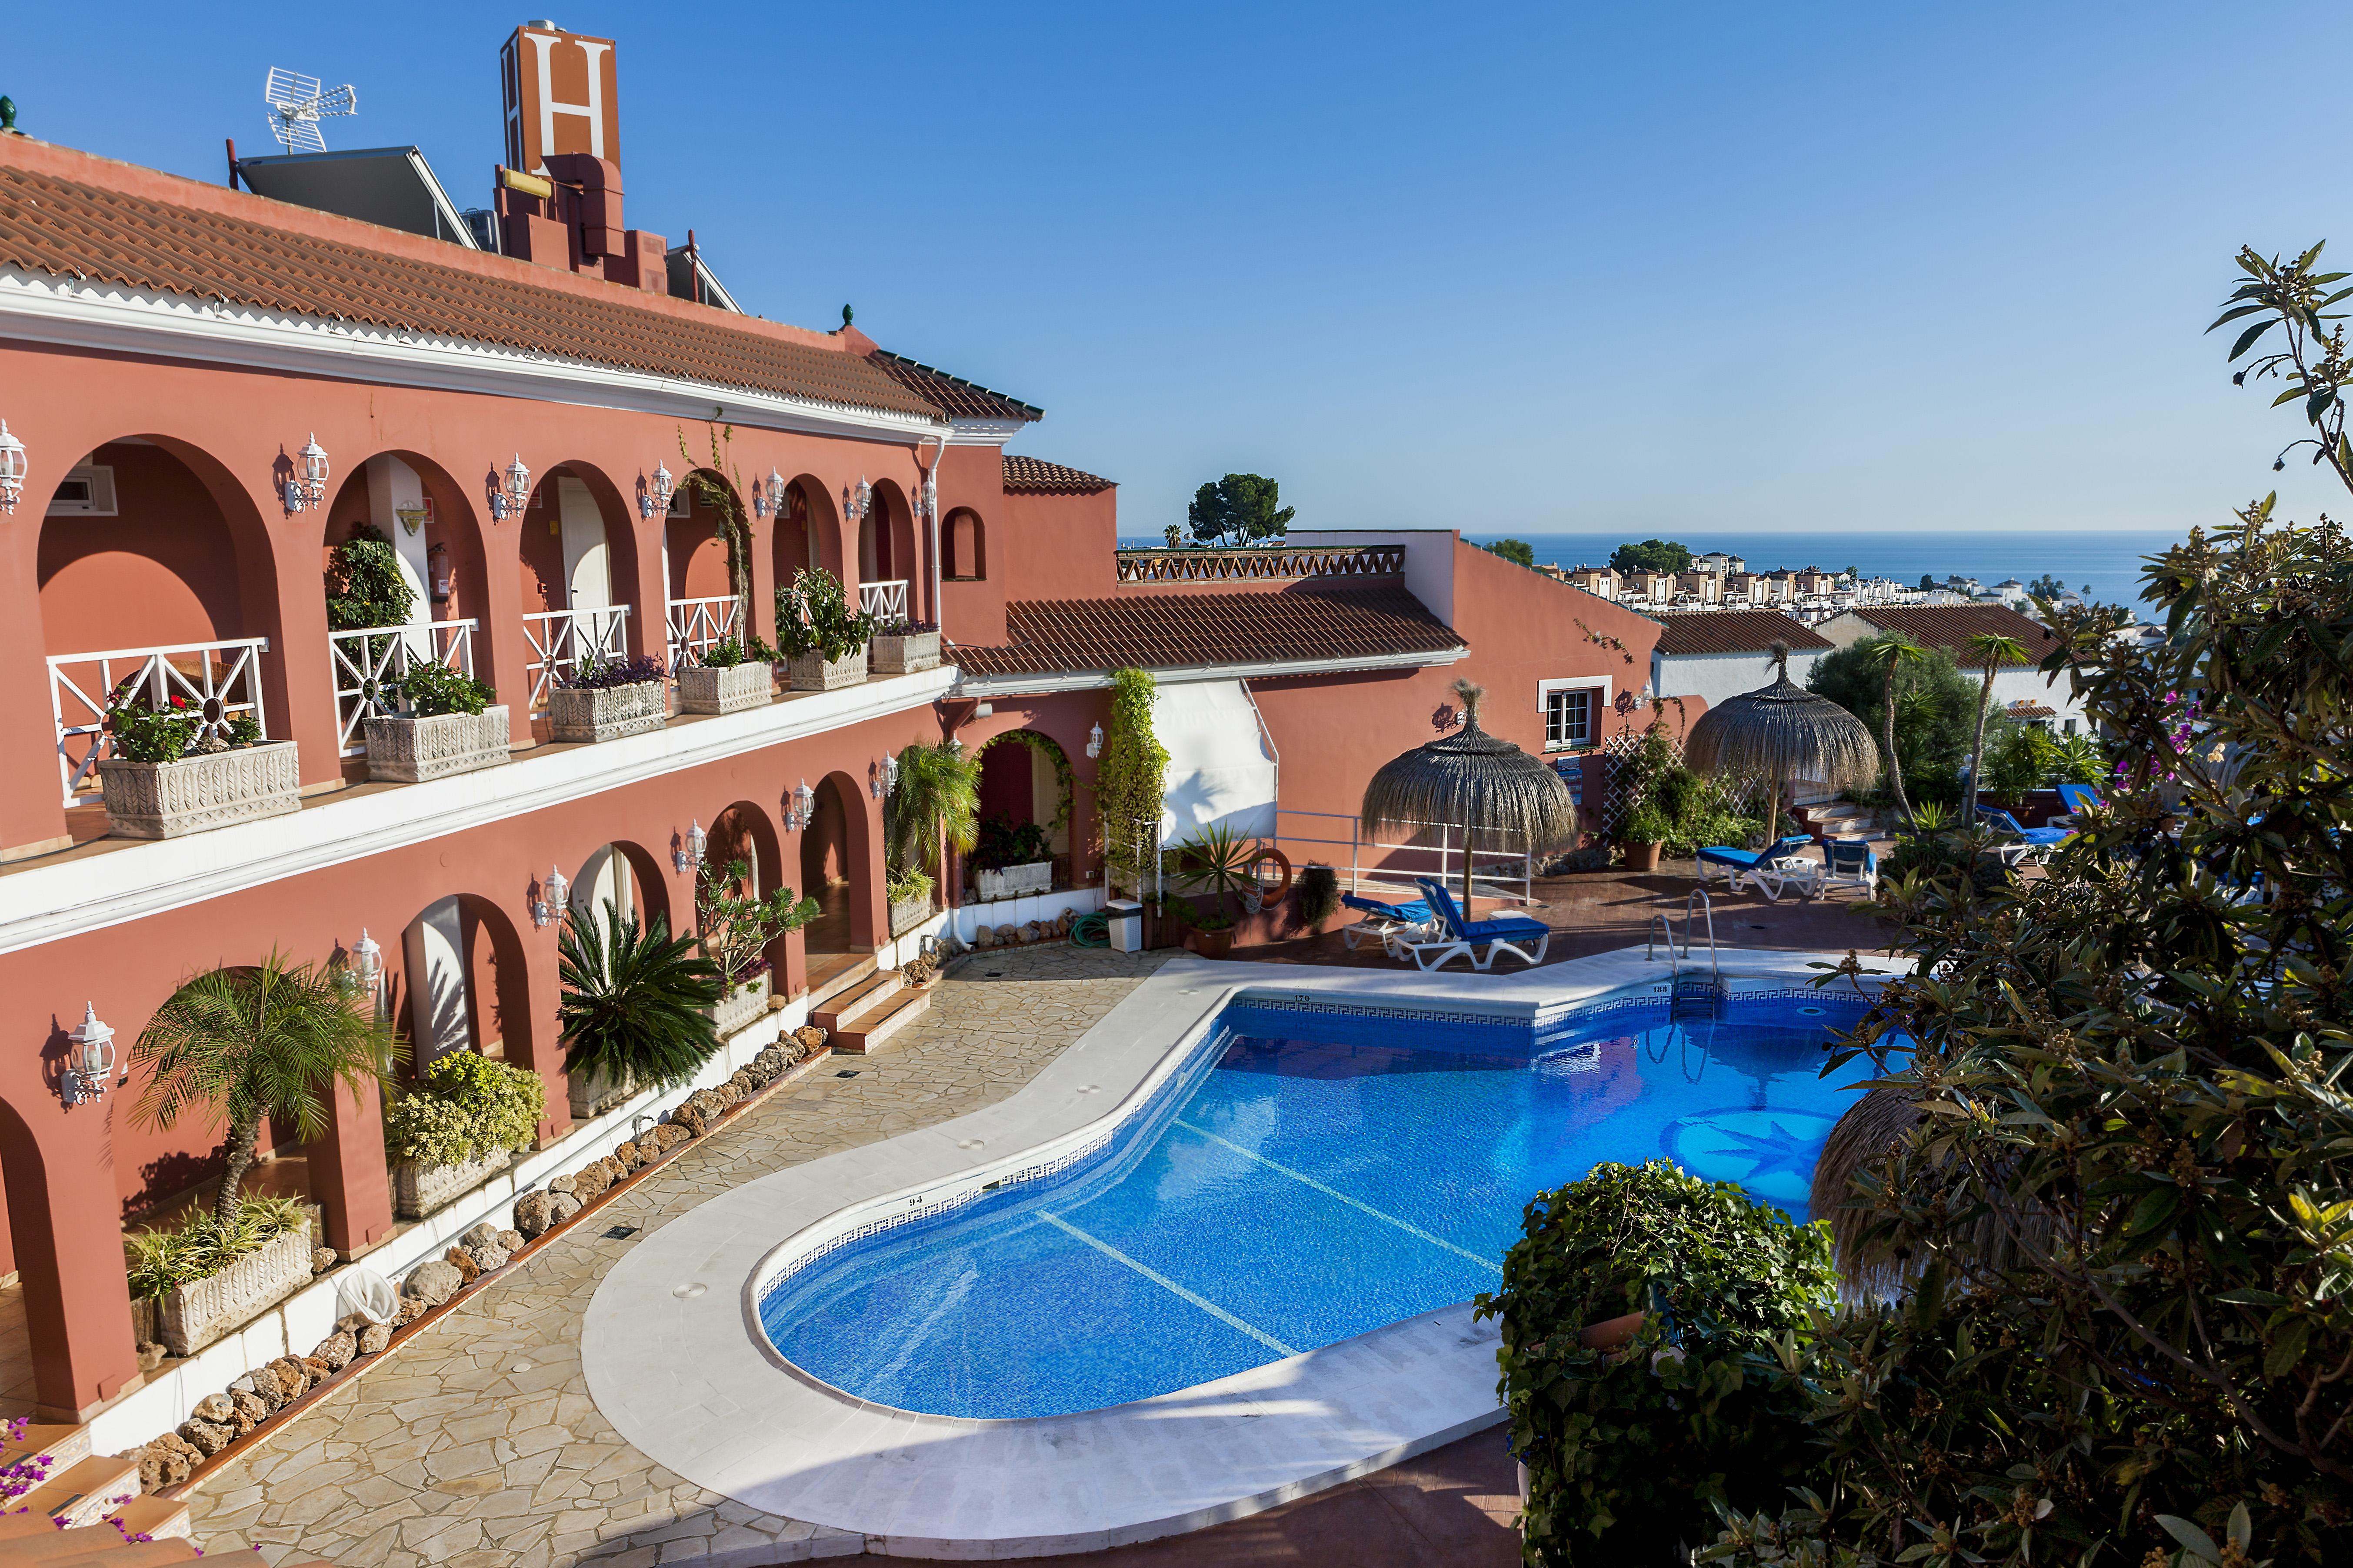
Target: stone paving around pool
[[478, 1444]]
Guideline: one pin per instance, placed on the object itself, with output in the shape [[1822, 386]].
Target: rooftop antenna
[[296, 103]]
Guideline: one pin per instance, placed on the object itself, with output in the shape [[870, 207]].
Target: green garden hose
[[1090, 931]]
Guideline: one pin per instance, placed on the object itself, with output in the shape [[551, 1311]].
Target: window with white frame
[[1572, 713]]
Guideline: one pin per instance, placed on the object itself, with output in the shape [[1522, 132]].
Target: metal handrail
[[1714, 970], [697, 626], [1505, 866], [558, 643], [887, 599], [1659, 922]]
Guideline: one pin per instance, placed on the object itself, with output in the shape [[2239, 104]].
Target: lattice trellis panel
[[1620, 754]]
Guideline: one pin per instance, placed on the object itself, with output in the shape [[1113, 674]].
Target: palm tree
[[1988, 651], [633, 1001], [260, 1041], [937, 794], [1888, 654]]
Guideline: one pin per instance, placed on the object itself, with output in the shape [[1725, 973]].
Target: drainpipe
[[932, 511]]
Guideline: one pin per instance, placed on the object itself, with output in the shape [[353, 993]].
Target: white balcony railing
[[696, 625], [561, 639], [369, 660], [218, 681], [888, 600]]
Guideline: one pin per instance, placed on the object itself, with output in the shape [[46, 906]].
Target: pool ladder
[[1690, 995]]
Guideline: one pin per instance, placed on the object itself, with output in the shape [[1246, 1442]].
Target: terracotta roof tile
[[1037, 477], [1735, 631], [70, 230], [1950, 626], [960, 398], [1182, 631]]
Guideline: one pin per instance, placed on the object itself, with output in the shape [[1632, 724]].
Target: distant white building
[[2021, 690], [1717, 654], [1718, 564]]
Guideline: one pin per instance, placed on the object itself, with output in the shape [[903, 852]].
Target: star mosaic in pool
[[1778, 1151]]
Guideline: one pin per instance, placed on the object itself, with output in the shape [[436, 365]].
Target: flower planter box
[[609, 712], [594, 1093], [730, 690], [411, 751], [195, 794], [905, 916], [749, 1002], [1038, 876], [418, 1190], [197, 1313], [815, 673], [906, 655]]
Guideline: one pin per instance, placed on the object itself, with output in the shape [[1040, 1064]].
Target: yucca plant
[[1216, 859], [266, 1040], [633, 1000]]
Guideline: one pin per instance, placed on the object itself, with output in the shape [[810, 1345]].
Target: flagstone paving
[[478, 1444]]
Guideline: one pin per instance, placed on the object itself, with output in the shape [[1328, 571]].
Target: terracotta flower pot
[[1642, 856], [1211, 944]]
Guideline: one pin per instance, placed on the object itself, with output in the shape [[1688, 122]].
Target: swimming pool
[[1311, 1174]]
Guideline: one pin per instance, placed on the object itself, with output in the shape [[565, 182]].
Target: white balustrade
[[888, 600], [561, 639], [696, 625], [369, 660], [218, 680]]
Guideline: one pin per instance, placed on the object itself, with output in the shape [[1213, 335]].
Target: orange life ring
[[1281, 861]]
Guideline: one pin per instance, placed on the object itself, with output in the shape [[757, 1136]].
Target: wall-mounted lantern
[[690, 851], [775, 493], [89, 1064], [11, 470], [1094, 741], [548, 908], [307, 490], [801, 807], [883, 776], [653, 500], [860, 499], [517, 489]]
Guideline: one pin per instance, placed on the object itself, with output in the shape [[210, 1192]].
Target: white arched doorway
[[441, 1005], [605, 879], [587, 560]]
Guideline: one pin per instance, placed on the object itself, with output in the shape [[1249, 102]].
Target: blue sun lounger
[[1769, 871], [2039, 841], [1384, 919], [1513, 935]]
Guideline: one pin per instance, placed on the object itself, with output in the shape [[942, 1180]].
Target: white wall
[[439, 1005], [1220, 766], [1716, 676], [1428, 559], [587, 576], [393, 486]]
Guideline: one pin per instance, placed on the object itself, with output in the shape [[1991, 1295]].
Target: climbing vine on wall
[[725, 498], [1065, 779], [1131, 777]]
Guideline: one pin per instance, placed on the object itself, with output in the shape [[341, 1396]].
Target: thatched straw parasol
[[1471, 780], [1782, 732]]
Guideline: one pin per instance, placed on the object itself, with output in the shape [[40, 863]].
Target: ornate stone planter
[[906, 655], [729, 691], [411, 751], [167, 800], [418, 1190], [195, 1314], [1038, 876], [905, 916], [608, 712], [593, 1093], [815, 673], [750, 1001]]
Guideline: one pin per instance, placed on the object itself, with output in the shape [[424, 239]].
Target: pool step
[[1695, 996], [852, 1000], [865, 1030]]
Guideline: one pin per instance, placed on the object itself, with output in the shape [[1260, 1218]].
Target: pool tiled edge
[[676, 1360]]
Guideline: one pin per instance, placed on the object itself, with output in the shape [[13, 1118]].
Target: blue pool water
[[1311, 1176]]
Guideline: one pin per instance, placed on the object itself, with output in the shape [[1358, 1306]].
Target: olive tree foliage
[[2127, 1207]]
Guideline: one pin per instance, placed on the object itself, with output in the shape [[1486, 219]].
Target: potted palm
[[822, 637], [728, 677], [902, 646], [447, 724], [607, 698], [734, 928], [461, 1122], [1220, 862], [935, 798], [635, 1006], [265, 1040]]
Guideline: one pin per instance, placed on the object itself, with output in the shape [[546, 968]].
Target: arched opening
[[808, 535], [464, 985], [838, 869], [418, 511], [579, 559], [745, 834], [71, 1297], [887, 560], [1027, 787], [150, 545], [702, 606], [964, 547]]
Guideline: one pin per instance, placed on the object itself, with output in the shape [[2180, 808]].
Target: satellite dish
[[297, 104]]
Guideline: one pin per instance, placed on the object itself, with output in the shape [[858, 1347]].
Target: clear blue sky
[[1549, 269]]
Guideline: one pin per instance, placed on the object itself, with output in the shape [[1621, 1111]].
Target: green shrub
[[364, 585], [1627, 1450], [433, 688], [464, 1106], [202, 1244], [1129, 782], [1004, 842], [814, 616]]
